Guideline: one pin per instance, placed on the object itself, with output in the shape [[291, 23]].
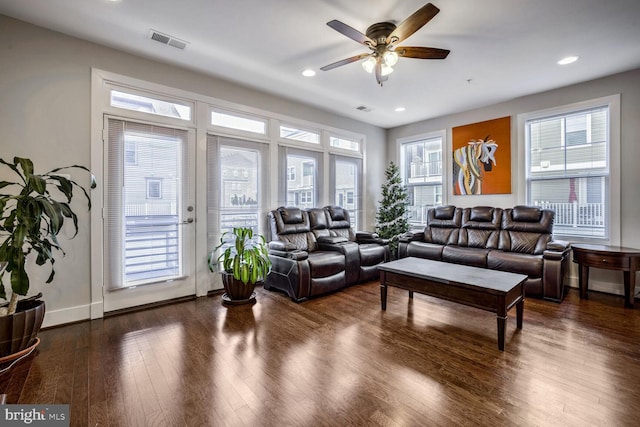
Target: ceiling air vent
[[167, 39], [364, 108]]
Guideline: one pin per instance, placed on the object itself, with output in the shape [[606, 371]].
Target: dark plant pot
[[18, 331], [237, 292]]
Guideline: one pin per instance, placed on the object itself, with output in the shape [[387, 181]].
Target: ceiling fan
[[382, 38]]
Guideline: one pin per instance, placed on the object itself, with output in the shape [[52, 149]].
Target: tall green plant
[[392, 211], [242, 254], [31, 217]]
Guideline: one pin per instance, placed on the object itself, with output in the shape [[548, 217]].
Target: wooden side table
[[618, 258]]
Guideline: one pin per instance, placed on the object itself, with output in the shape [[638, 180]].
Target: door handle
[[188, 221]]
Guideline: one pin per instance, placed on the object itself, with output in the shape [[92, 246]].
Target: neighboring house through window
[[569, 168]]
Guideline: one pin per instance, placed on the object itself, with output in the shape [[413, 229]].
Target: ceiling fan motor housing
[[380, 31]]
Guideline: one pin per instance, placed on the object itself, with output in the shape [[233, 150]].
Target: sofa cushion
[[527, 214], [481, 213], [291, 215], [444, 212], [530, 265], [425, 250], [337, 213], [474, 257], [326, 263], [371, 253]]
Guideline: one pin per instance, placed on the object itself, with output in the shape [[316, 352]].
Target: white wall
[[626, 84], [45, 94]]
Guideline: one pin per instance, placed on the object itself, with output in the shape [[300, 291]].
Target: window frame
[[444, 167], [612, 182]]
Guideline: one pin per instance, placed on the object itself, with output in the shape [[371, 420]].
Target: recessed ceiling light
[[400, 109], [308, 73], [568, 60]]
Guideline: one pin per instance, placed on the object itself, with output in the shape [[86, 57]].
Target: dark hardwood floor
[[339, 360]]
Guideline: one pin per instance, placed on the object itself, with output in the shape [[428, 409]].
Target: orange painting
[[482, 157]]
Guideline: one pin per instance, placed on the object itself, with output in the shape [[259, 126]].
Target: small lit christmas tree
[[392, 212]]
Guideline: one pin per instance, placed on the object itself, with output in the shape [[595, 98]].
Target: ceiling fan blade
[[422, 52], [351, 32], [413, 23], [345, 62]]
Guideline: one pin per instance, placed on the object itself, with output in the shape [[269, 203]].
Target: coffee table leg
[[410, 294], [383, 296], [502, 322], [519, 313]]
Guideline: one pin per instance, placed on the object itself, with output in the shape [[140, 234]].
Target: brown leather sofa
[[517, 240], [315, 251]]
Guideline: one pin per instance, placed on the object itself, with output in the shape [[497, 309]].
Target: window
[[154, 188], [149, 104], [239, 122], [568, 169], [344, 143], [345, 185], [236, 189], [290, 191], [289, 132], [291, 173], [421, 169], [308, 169]]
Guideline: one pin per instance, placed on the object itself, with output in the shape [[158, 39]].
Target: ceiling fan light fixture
[[390, 58], [386, 70], [369, 64]]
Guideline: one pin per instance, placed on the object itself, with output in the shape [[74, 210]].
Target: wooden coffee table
[[490, 290]]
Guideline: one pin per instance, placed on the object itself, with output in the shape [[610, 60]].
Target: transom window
[[239, 122], [290, 132], [150, 104]]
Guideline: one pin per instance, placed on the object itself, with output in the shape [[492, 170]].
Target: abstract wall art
[[482, 157]]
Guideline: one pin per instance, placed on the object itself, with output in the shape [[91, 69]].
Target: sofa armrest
[[279, 245], [332, 240], [370, 237], [558, 245], [295, 254], [411, 236]]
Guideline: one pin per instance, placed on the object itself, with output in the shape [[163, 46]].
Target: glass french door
[[148, 219]]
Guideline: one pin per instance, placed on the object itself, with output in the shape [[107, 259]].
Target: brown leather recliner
[[313, 254], [372, 250], [299, 267]]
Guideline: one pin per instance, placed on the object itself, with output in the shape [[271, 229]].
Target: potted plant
[[242, 259], [33, 210]]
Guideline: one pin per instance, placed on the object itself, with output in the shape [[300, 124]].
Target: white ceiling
[[500, 49]]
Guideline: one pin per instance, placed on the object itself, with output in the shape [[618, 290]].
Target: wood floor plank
[[341, 360]]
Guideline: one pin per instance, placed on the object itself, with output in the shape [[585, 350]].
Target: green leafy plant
[[242, 254], [32, 215]]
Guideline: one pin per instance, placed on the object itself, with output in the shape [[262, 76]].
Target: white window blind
[[142, 236], [237, 178]]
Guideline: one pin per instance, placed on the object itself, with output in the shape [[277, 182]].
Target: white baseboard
[[66, 315], [601, 286]]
